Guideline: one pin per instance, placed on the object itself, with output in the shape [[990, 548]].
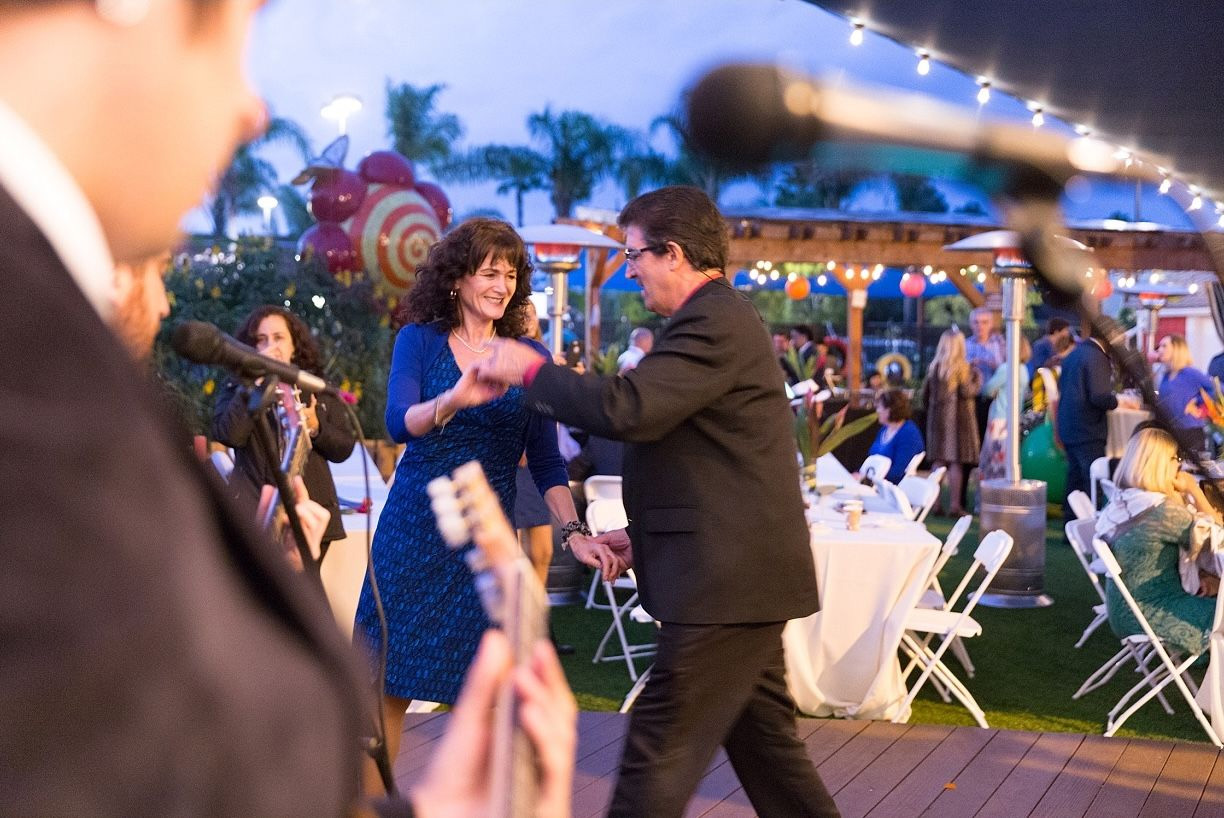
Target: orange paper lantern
[[798, 288]]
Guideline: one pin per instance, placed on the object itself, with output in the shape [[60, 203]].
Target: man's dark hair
[[897, 403], [1056, 324], [804, 330], [684, 215]]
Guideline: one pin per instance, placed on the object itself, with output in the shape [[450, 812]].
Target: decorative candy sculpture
[[379, 219]]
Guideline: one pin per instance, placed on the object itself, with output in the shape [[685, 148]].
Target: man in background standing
[[641, 341]]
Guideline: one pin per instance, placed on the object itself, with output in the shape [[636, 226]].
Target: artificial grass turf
[[1027, 665]]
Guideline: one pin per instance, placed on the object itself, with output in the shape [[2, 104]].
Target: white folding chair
[[1081, 506], [915, 462], [933, 597], [922, 492], [1098, 471], [947, 623], [889, 499], [876, 467], [1155, 680], [607, 515], [602, 487], [1108, 489], [1079, 534]]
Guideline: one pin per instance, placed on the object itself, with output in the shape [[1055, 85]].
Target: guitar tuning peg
[[452, 528], [476, 561], [491, 596]]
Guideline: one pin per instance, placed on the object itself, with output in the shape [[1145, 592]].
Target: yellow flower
[[209, 386], [345, 386], [215, 292]]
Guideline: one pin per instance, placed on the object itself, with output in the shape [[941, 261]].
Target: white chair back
[[602, 487], [606, 515], [876, 467], [1098, 471], [1082, 505], [937, 474], [921, 493], [915, 462], [895, 498]]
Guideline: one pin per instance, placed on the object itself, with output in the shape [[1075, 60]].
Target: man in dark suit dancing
[[716, 528]]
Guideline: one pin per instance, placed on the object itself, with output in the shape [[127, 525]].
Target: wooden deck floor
[[896, 771]]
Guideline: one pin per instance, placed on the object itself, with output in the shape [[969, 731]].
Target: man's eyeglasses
[[633, 255]]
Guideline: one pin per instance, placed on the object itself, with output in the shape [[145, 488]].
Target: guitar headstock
[[467, 510]]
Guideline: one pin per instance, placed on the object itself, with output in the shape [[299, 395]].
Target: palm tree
[[639, 165], [249, 176], [580, 151], [518, 170], [417, 130], [805, 184]]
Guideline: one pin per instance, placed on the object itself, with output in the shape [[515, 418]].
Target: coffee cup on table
[[853, 509]]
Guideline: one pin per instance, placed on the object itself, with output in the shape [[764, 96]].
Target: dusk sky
[[626, 62]]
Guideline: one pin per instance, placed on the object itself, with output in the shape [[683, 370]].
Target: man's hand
[[597, 554], [456, 784], [508, 363], [618, 542], [1126, 401]]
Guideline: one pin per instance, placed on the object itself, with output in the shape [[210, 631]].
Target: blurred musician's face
[[272, 338], [140, 304]]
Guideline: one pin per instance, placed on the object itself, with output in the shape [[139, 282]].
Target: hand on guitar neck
[[516, 759]]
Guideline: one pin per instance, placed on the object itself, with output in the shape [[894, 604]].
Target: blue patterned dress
[[434, 616]]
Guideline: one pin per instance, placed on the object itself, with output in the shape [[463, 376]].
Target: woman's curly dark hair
[[305, 348], [460, 253]]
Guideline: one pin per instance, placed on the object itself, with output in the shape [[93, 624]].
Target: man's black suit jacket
[[156, 656], [711, 482]]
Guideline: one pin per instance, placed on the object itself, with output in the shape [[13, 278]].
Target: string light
[[1083, 130], [1038, 117], [1165, 184], [924, 63], [983, 94], [822, 279], [856, 34], [1196, 203]]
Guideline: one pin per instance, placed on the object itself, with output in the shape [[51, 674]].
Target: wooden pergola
[[812, 236]]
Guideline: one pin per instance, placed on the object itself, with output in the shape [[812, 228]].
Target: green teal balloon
[[1040, 459]]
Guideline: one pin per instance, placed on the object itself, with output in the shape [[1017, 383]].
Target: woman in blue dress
[[1179, 384], [473, 287]]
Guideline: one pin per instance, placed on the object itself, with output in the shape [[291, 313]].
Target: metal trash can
[[1019, 509], [567, 577]]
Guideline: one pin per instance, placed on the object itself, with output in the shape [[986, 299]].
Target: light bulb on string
[[1083, 130], [1196, 203], [1038, 117], [856, 34], [983, 94], [1165, 184], [924, 63]]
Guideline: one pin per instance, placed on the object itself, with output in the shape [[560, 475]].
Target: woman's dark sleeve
[[231, 423], [336, 437]]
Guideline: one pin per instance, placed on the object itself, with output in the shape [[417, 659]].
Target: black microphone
[[202, 343], [750, 114]]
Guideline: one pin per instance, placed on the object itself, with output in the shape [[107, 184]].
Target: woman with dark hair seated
[[1157, 524], [899, 438], [277, 333]]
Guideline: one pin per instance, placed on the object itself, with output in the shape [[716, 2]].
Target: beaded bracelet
[[576, 526]]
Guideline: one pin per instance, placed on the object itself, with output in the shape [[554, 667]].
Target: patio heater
[[1011, 503], [557, 249], [1153, 295]]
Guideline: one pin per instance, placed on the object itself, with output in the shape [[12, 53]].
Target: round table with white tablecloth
[[842, 660]]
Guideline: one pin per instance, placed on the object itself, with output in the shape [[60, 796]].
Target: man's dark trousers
[[717, 685]]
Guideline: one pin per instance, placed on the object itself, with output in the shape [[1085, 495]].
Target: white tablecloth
[[842, 660], [1122, 423]]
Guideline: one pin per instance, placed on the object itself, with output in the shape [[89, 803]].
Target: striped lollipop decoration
[[392, 232]]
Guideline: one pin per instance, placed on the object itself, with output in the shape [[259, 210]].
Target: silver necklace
[[480, 350]]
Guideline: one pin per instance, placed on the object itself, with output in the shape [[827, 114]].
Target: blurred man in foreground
[[157, 656]]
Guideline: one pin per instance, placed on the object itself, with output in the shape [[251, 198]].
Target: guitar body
[[468, 510]]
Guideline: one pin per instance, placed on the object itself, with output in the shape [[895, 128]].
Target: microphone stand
[[261, 399], [1035, 216]]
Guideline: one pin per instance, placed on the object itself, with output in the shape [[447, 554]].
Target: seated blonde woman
[[1158, 523]]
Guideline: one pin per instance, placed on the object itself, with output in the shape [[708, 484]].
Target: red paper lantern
[[913, 284], [387, 168], [438, 201], [1103, 288], [798, 288]]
